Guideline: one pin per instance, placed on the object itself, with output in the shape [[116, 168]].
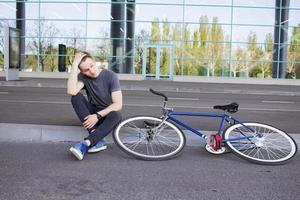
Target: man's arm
[[117, 103], [74, 86]]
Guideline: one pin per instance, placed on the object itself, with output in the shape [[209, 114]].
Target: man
[[99, 113]]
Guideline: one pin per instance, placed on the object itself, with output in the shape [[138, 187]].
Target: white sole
[[97, 150], [76, 153]]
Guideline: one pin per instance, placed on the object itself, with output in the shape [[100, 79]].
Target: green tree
[[255, 56], [186, 37], [267, 56], [202, 52], [176, 37], [103, 49], [190, 68], [166, 31], [165, 59], [260, 56], [155, 31], [215, 47], [155, 39], [203, 31], [239, 61], [195, 39], [140, 39]]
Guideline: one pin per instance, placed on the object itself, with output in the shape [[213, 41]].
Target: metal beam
[[280, 38], [117, 36], [20, 24]]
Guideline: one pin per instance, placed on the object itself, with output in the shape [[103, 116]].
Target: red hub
[[215, 141]]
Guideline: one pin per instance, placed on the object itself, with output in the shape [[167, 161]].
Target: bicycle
[[160, 138]]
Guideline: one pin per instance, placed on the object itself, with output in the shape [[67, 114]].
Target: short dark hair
[[87, 55]]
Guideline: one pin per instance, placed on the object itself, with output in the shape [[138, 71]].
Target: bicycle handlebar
[[159, 94]]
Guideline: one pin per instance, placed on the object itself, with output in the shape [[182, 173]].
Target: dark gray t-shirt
[[99, 89]]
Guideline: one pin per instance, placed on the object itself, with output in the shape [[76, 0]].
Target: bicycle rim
[[260, 143], [141, 137]]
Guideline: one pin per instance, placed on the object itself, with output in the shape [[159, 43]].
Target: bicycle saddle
[[231, 108]]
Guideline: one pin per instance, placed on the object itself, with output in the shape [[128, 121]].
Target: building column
[[129, 44], [280, 38], [117, 36], [20, 24]]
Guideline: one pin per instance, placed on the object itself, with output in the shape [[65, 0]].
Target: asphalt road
[[279, 107], [47, 170], [36, 171]]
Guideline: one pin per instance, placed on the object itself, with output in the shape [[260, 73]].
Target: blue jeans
[[103, 127]]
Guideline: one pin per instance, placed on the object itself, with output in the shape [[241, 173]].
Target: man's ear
[[79, 68]]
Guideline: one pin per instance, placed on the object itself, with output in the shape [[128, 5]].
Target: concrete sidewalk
[[221, 85], [53, 133]]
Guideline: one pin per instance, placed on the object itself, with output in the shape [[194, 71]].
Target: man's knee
[[76, 98], [115, 116]]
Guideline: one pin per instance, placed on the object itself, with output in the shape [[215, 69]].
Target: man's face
[[88, 67]]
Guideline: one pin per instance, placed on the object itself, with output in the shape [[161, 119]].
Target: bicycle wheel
[[260, 143], [149, 138]]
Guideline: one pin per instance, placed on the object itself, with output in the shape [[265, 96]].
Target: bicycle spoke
[[173, 147], [268, 144], [149, 137], [169, 141]]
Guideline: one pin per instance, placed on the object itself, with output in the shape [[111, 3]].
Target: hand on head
[[78, 57]]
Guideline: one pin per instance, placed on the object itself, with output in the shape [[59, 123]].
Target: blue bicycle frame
[[224, 118]]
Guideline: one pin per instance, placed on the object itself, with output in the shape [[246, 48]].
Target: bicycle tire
[[150, 145], [268, 145]]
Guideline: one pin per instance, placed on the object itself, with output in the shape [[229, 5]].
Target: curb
[[177, 78], [165, 86], [53, 133]]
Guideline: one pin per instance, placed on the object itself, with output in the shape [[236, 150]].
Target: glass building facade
[[228, 38]]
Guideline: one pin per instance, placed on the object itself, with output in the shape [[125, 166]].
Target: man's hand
[[90, 121], [78, 57]]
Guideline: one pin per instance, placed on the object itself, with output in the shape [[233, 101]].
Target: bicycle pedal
[[215, 141]]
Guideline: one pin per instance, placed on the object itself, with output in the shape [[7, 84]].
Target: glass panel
[[160, 12], [265, 3], [58, 11], [5, 23], [254, 60], [1, 58], [49, 63], [98, 29], [293, 67], [100, 49], [7, 10], [150, 62], [194, 13], [31, 45], [31, 28], [208, 2], [294, 17], [31, 10], [159, 1], [31, 63], [194, 67], [64, 29], [165, 57], [256, 16], [294, 4], [99, 11], [241, 33]]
